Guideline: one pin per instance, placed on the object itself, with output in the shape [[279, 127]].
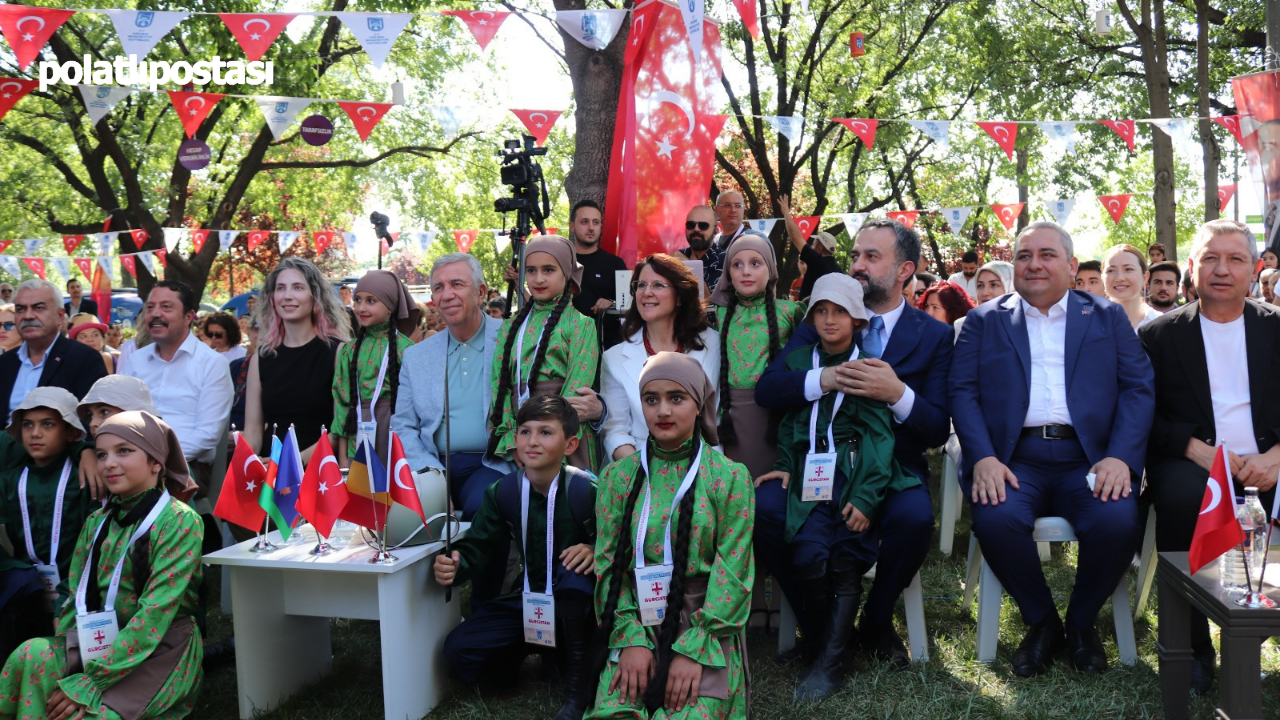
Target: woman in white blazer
[[666, 314]]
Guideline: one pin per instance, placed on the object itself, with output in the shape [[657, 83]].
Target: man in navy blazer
[[1048, 386], [911, 355]]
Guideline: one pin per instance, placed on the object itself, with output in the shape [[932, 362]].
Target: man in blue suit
[[1048, 386], [910, 355]]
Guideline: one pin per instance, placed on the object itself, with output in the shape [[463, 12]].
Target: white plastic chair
[[991, 594], [952, 495], [1146, 565], [913, 601]]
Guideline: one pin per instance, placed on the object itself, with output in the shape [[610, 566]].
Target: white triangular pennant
[[1061, 133], [172, 236], [140, 31], [10, 265], [449, 117], [956, 217], [789, 126], [853, 222], [105, 264], [1178, 130], [101, 99], [32, 244], [376, 32], [593, 28], [106, 241], [63, 265], [763, 226], [937, 130], [423, 239], [349, 238], [501, 240], [280, 112], [226, 237], [692, 13], [286, 239], [1061, 209], [148, 261]]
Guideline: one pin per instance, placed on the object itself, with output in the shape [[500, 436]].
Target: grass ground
[[950, 685]]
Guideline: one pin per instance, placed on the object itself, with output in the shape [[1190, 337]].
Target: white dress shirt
[[1224, 353], [28, 377], [901, 409], [1047, 404], [193, 392], [970, 285]]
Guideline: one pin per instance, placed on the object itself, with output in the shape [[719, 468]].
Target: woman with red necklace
[[666, 315]]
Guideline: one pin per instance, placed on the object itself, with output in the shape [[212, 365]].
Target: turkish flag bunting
[[864, 128], [197, 239], [36, 265], [404, 490], [162, 255], [322, 241], [139, 238], [1230, 122], [323, 494], [1225, 193], [256, 238], [256, 31], [750, 20], [906, 217], [1115, 204], [483, 24], [1008, 214], [13, 89], [28, 29], [128, 262], [71, 242], [1004, 133], [238, 501], [464, 239], [4, 245], [538, 122], [85, 265], [1217, 529], [193, 108], [808, 224], [365, 122], [1124, 128]]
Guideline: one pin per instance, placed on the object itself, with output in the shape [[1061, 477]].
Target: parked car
[[238, 305]]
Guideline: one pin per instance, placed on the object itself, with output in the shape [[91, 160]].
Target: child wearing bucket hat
[[835, 458]]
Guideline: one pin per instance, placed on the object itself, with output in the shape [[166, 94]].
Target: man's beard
[[969, 275], [701, 243], [1161, 305], [585, 242], [873, 292]]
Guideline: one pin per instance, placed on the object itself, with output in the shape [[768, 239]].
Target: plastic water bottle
[[1232, 565]]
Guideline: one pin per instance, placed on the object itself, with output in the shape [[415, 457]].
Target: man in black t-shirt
[[599, 287], [816, 253]]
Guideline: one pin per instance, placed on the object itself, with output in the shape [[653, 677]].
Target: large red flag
[[323, 494], [404, 490], [238, 501], [1217, 529]]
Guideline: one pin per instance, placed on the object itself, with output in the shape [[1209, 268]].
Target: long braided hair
[[393, 375], [728, 435], [506, 383]]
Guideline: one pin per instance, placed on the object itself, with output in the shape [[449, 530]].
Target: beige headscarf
[[562, 250], [155, 438], [384, 285], [1000, 269], [121, 391], [746, 241], [840, 289], [688, 374]]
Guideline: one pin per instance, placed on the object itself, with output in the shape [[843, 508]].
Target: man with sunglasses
[[699, 228]]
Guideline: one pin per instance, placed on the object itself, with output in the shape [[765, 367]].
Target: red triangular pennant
[[71, 242], [538, 122], [28, 29], [1008, 214], [256, 31], [193, 108], [163, 256], [4, 245], [36, 265], [13, 89], [1230, 122], [139, 238], [750, 20], [1225, 193], [483, 24], [197, 239], [1004, 133], [464, 239], [864, 128], [808, 224], [322, 241], [365, 122], [714, 124], [1124, 128], [1115, 204], [906, 217], [85, 265], [256, 238], [128, 262]]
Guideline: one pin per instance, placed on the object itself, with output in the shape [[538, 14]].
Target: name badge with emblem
[[652, 581], [539, 607], [368, 429], [48, 571], [818, 482]]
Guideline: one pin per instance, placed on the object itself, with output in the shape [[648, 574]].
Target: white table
[[283, 601]]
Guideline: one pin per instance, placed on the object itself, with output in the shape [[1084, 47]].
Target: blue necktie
[[871, 344]]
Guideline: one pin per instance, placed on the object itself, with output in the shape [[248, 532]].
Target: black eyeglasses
[[8, 325], [216, 336], [690, 224]]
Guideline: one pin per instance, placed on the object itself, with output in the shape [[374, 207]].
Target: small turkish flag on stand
[[323, 494], [483, 24], [1217, 529], [1004, 133], [238, 501], [193, 108], [1115, 204], [906, 217], [28, 29], [538, 122], [404, 491], [865, 129]]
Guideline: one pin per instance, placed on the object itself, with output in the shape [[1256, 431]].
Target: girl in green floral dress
[[673, 614], [136, 564], [558, 352], [754, 326]]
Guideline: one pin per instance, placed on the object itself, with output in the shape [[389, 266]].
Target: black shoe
[[827, 673], [578, 690], [219, 652], [883, 644], [805, 651], [1085, 649], [1202, 672], [1035, 653]]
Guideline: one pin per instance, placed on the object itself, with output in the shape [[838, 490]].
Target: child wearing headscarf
[[673, 597], [557, 354], [126, 645], [387, 316]]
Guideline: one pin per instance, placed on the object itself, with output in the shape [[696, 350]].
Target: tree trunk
[[1212, 152], [1024, 192], [596, 78]]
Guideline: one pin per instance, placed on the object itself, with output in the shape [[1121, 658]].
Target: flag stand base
[[1255, 601], [382, 557], [263, 545], [322, 548]]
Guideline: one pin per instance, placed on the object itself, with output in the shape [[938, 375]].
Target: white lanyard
[[813, 414], [523, 386], [642, 530], [377, 388], [114, 587], [57, 515], [524, 528]]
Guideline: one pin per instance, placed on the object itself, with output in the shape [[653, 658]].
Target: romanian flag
[[369, 497], [266, 497]]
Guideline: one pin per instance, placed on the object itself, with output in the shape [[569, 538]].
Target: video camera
[[528, 200]]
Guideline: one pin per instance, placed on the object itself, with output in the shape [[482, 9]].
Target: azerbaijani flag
[[288, 479], [266, 497], [369, 497]]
